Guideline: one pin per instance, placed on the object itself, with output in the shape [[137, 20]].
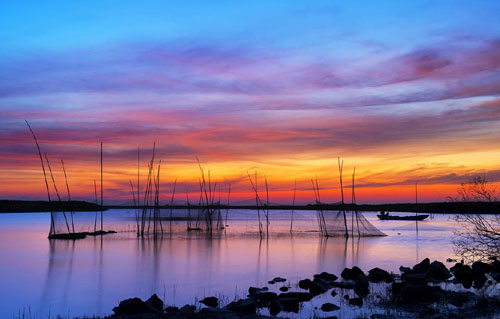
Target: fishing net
[[334, 224]]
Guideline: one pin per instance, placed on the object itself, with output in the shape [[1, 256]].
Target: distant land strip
[[17, 206]]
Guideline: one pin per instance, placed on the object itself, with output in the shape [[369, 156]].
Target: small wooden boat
[[386, 216]]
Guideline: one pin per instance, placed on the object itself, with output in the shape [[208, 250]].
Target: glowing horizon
[[404, 92]]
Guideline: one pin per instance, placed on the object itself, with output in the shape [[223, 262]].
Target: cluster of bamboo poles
[[323, 229], [147, 216], [259, 204], [70, 230]]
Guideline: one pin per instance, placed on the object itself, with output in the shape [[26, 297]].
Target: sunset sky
[[406, 91]]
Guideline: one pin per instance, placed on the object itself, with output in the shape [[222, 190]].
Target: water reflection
[[91, 276]]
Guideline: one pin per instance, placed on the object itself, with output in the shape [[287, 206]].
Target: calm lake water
[[90, 276]]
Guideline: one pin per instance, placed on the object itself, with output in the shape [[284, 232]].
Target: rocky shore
[[426, 290]]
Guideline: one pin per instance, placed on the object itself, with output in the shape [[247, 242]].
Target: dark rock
[[411, 293], [302, 296], [484, 267], [289, 304], [414, 276], [351, 274], [378, 275], [132, 306], [495, 266], [495, 276], [329, 307], [284, 289], [344, 284], [356, 302], [458, 299], [346, 297], [479, 278], [254, 290], [396, 288], [463, 274], [305, 283], [278, 279], [264, 296], [380, 316], [326, 276], [438, 271], [404, 269], [243, 306], [318, 288], [210, 301], [333, 293], [171, 310], [361, 286], [423, 266], [274, 308], [187, 309], [155, 303]]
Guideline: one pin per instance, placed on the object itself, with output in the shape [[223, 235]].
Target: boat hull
[[416, 218]]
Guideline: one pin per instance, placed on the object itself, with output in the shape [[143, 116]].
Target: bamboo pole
[[52, 225], [341, 165], [69, 195], [57, 192], [293, 206]]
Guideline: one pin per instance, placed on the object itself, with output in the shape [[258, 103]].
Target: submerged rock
[[318, 288], [243, 306], [356, 302], [254, 290], [210, 301], [324, 276], [344, 284], [377, 275], [361, 286], [284, 289], [351, 273], [302, 296], [305, 283], [327, 307]]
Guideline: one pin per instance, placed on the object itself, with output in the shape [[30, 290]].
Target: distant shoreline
[[25, 206]]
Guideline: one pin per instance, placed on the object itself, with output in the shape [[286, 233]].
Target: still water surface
[[91, 276]]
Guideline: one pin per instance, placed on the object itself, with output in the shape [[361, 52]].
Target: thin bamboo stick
[[57, 192], [69, 195], [52, 225]]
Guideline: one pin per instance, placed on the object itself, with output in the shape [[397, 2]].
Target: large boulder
[[484, 267], [305, 283], [463, 274], [254, 290], [318, 287], [266, 296], [411, 293], [155, 303], [437, 271], [351, 273], [247, 306], [210, 301], [479, 278], [422, 266], [377, 275], [133, 306], [324, 276], [361, 286]]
